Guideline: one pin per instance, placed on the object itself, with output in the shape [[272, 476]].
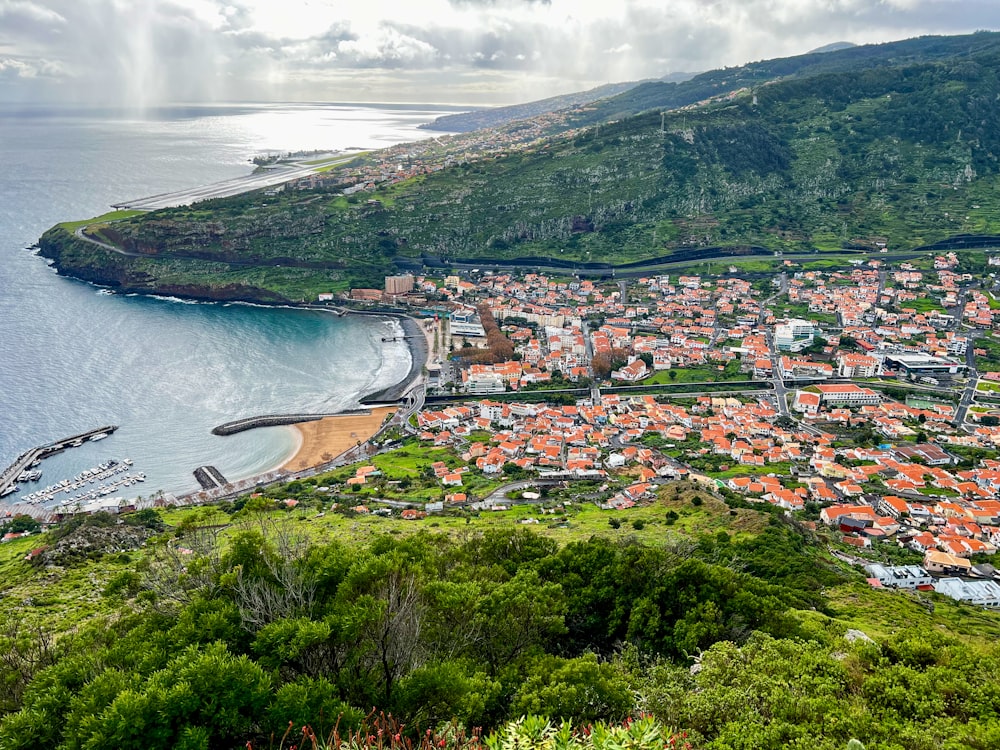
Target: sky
[[146, 52]]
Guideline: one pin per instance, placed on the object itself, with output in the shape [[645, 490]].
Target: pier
[[210, 478], [269, 420], [30, 457]]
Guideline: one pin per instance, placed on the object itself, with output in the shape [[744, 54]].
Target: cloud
[[169, 50], [12, 10], [388, 48]]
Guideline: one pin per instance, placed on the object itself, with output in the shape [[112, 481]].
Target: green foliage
[[261, 627], [580, 690], [147, 517], [312, 701], [20, 524], [434, 694]]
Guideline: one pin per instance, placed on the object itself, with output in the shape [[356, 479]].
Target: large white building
[[900, 576], [847, 394], [983, 593], [466, 323], [795, 334], [858, 366]]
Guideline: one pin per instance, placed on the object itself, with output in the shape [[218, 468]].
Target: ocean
[[166, 371]]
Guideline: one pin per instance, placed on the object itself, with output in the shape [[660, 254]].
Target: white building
[[795, 334], [483, 383], [847, 394], [900, 576], [983, 593], [466, 323], [858, 366]]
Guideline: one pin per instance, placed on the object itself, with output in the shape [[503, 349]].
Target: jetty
[[277, 420], [268, 420], [210, 478], [31, 457]]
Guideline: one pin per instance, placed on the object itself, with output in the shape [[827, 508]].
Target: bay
[[165, 371]]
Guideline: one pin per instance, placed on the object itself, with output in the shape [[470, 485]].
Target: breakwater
[[268, 420], [209, 477], [27, 459]]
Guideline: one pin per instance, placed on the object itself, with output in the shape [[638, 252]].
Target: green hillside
[[853, 147], [230, 623]]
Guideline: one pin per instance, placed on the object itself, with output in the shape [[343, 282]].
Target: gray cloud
[[441, 50]]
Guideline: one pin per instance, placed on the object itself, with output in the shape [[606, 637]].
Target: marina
[[116, 471], [33, 457]]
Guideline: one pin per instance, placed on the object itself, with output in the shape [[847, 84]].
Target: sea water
[[73, 359]]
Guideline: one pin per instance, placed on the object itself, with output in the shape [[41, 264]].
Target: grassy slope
[[61, 599]]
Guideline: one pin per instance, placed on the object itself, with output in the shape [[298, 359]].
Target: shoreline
[[417, 344], [323, 440]]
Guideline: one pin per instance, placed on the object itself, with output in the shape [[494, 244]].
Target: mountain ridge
[[906, 151]]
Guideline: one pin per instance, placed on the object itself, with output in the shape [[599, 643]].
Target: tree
[[519, 615], [21, 524], [436, 693], [201, 699], [580, 690]]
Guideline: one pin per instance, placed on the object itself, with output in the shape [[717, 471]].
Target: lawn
[[781, 469], [882, 613], [937, 492], [922, 305], [731, 371], [54, 598], [575, 521], [72, 226]]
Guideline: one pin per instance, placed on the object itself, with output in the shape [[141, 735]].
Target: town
[[863, 398]]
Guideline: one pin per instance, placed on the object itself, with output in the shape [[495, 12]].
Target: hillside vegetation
[[236, 622], [843, 152]]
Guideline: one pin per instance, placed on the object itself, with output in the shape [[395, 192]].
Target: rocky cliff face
[[72, 256], [88, 542]]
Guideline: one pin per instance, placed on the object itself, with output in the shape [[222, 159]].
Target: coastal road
[[80, 235]]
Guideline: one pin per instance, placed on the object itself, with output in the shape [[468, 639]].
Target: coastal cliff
[[145, 274]]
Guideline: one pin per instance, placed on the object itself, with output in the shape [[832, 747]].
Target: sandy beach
[[324, 439]]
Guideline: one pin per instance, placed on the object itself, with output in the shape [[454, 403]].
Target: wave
[[165, 298], [394, 358]]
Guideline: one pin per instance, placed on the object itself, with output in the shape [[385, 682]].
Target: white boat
[[98, 436]]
